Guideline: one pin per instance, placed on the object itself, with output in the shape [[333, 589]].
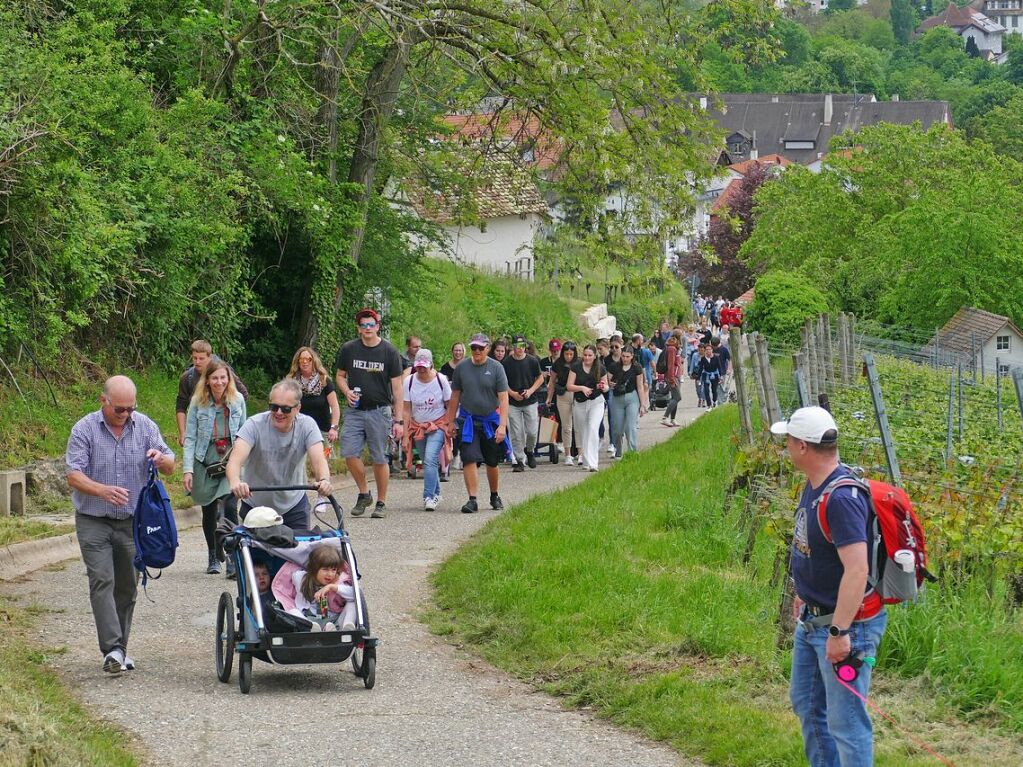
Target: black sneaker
[[495, 502], [362, 503], [531, 461], [518, 468], [379, 511], [470, 506]]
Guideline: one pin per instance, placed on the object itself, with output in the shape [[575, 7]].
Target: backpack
[[894, 527], [155, 532], [662, 362]]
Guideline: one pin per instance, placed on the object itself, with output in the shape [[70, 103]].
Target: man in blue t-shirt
[[839, 615]]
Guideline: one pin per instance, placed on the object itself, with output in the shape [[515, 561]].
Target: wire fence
[[944, 422]]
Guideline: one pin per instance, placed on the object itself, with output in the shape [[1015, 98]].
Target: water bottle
[[323, 607], [357, 391]]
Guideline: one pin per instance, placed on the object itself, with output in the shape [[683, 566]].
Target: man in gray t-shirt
[[272, 448], [481, 389]]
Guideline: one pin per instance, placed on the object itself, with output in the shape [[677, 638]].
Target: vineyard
[[956, 436]]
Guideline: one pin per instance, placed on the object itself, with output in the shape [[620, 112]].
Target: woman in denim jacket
[[214, 416]]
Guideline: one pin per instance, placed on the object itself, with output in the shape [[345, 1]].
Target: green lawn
[[625, 595], [41, 724]]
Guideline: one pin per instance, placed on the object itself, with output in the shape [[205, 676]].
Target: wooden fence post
[[811, 358], [773, 405], [758, 377], [738, 375], [843, 346], [829, 350], [998, 391], [800, 376]]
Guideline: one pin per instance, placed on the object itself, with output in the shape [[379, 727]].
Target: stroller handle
[[333, 502]]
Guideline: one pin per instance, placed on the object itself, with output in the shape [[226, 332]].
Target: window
[[1003, 370], [1002, 344]]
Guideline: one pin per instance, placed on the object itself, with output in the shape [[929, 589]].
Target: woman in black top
[[557, 392], [319, 398], [630, 400], [587, 380]]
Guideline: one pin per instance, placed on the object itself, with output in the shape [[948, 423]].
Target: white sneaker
[[569, 461], [611, 450], [561, 448], [348, 626], [113, 661], [430, 504], [328, 626], [314, 627], [128, 665]]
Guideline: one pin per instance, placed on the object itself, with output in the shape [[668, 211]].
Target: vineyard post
[[843, 345], [773, 405], [982, 363], [853, 356], [882, 420], [829, 348], [998, 391], [951, 410], [822, 357], [973, 355], [959, 369], [937, 347], [811, 357], [797, 371], [1017, 380], [738, 374], [758, 377]]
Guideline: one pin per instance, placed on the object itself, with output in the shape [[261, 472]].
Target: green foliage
[[1002, 127], [900, 229], [904, 20], [782, 300]]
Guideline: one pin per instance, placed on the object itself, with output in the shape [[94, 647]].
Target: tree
[[904, 20], [715, 258], [902, 227], [971, 48], [1002, 128], [781, 303]]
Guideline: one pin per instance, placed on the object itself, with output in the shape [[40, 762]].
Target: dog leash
[[918, 743]]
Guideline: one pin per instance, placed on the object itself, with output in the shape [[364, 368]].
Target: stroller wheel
[[245, 673], [224, 649], [369, 668]]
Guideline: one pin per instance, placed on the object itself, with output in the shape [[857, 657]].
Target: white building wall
[[503, 245], [1012, 358]]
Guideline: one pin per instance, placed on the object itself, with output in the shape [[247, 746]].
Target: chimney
[[829, 109], [703, 102], [895, 97], [754, 153]]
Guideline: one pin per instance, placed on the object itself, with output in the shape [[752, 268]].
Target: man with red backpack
[[841, 617]]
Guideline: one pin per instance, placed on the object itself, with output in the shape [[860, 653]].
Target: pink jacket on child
[[287, 589]]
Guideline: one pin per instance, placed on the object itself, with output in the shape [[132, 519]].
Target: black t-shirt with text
[[370, 368], [521, 375]]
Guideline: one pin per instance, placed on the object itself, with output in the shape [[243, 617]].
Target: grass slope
[[624, 594], [40, 723]]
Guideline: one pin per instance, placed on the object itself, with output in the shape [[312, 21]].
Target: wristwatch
[[835, 631]]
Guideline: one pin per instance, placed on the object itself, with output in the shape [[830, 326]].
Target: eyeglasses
[[274, 407], [368, 325]]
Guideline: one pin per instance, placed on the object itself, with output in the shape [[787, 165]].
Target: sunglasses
[[367, 325], [520, 346], [123, 410], [274, 407]]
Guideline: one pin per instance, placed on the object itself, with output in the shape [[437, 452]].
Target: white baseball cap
[[262, 516], [810, 424]]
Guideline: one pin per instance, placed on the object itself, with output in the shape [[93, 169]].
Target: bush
[[643, 314], [782, 301]]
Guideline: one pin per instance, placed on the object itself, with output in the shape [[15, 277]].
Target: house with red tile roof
[[969, 23]]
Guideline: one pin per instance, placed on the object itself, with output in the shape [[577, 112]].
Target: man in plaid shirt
[[108, 455]]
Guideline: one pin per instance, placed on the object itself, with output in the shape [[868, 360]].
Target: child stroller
[[255, 627], [661, 392]]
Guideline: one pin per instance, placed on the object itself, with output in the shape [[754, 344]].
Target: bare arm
[[342, 386], [502, 409], [181, 427], [850, 596], [321, 470], [397, 397], [239, 455], [335, 410]]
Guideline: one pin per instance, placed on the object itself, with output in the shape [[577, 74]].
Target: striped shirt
[[93, 450]]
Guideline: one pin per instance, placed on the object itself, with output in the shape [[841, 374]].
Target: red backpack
[[894, 527]]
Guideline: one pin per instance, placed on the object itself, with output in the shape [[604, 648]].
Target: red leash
[[918, 743]]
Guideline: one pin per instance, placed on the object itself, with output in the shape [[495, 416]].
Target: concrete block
[[12, 493]]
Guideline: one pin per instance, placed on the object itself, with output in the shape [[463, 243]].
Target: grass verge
[[40, 722], [19, 529], [624, 595]]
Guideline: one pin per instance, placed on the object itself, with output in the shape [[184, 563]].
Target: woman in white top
[[426, 394]]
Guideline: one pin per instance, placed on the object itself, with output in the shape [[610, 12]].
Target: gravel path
[[432, 704]]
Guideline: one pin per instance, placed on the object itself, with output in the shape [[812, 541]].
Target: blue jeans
[[429, 448], [626, 420], [836, 725]]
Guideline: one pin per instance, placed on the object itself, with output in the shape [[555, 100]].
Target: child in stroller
[[322, 594]]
